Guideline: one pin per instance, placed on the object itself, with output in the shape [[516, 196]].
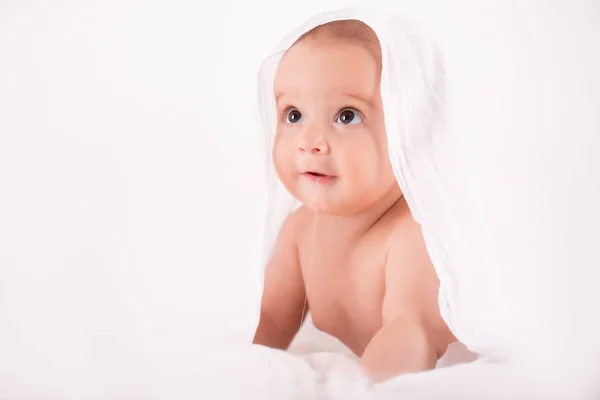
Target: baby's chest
[[345, 289]]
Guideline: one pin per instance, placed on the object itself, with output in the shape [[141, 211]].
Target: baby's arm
[[283, 294], [413, 335]]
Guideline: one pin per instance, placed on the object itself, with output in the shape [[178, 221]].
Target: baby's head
[[330, 147]]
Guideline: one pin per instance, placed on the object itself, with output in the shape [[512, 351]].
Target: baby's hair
[[346, 31]]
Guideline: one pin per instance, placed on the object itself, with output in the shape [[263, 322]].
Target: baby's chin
[[322, 210], [322, 206], [325, 201]]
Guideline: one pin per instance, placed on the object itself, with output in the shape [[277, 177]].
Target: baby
[[363, 269]]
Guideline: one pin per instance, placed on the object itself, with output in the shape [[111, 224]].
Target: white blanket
[[318, 366], [260, 373]]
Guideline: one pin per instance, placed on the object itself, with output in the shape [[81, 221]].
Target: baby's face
[[330, 149]]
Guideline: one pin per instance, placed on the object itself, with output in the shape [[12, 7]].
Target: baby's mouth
[[318, 177]]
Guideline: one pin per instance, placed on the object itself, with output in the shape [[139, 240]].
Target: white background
[[131, 175]]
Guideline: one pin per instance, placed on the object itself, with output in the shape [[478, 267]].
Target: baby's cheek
[[362, 166], [279, 155], [283, 161]]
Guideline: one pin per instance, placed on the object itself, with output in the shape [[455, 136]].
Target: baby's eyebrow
[[368, 100], [278, 95]]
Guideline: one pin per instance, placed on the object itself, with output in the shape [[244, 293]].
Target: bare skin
[[371, 283]]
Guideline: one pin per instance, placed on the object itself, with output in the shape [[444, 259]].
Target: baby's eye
[[293, 116], [349, 117]]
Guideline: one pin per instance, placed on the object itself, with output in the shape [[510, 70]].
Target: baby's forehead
[[328, 80], [335, 64], [328, 49]]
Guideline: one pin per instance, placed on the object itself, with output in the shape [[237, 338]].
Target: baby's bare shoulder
[[403, 231], [294, 225]]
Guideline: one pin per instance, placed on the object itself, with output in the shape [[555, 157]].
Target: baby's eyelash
[[286, 109], [351, 108]]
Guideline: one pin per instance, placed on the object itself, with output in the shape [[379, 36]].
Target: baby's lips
[[319, 177], [316, 173]]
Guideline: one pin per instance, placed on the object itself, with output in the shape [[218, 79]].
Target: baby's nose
[[316, 146]]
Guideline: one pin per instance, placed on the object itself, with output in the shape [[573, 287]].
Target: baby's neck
[[357, 225]]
